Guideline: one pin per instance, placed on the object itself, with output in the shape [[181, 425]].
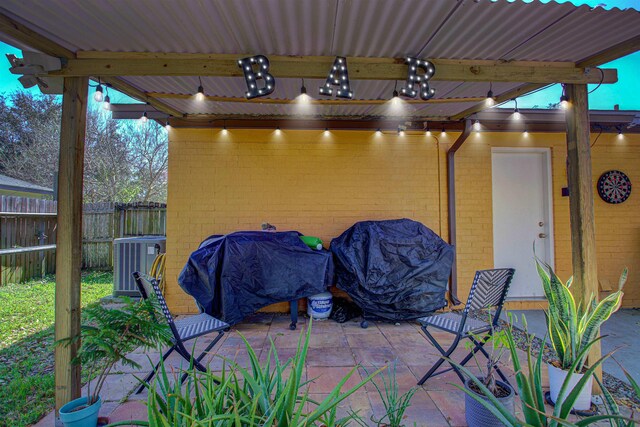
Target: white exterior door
[[522, 215]]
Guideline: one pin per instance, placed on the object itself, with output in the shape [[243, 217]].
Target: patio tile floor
[[334, 350]]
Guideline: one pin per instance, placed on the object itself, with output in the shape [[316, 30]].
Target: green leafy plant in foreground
[[109, 335], [610, 404], [395, 404], [531, 393], [497, 343], [269, 394], [573, 326]]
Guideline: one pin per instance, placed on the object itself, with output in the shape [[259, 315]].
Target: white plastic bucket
[[556, 379], [319, 306]]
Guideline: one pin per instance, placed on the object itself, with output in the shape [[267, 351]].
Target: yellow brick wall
[[320, 185], [617, 226], [300, 180]]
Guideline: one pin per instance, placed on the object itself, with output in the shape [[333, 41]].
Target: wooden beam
[[583, 234], [625, 48], [310, 101], [128, 89], [39, 42], [25, 35], [360, 68], [69, 236], [506, 96]]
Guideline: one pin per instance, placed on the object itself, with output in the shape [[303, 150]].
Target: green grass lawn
[[26, 345]]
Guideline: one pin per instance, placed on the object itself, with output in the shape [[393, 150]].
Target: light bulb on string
[[516, 111], [444, 131], [490, 99], [200, 95], [107, 103], [144, 118], [476, 125], [97, 96]]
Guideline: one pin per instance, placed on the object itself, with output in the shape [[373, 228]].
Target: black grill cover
[[233, 276], [394, 269]]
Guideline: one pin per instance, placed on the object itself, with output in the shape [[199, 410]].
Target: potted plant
[[531, 393], [107, 337], [476, 414], [571, 327]]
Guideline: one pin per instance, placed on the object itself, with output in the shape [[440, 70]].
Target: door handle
[[542, 235]]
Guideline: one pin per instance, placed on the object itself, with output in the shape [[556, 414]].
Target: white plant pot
[[556, 379]]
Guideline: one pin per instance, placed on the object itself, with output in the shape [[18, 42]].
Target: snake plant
[[571, 326]]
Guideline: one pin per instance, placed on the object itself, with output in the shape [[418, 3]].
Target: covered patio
[[181, 60]]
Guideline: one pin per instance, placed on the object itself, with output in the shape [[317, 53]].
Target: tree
[[30, 136], [125, 161], [149, 157]]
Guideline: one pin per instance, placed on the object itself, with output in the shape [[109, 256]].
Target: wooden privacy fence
[[25, 223], [28, 234], [102, 222]]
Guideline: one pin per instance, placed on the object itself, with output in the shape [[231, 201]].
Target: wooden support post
[[583, 233], [69, 236]]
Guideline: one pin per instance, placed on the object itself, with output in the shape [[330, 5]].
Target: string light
[[476, 125], [303, 89], [564, 99], [395, 90], [200, 94], [525, 133], [490, 99], [326, 132], [428, 132], [444, 131], [378, 132], [107, 103], [278, 130], [224, 129], [97, 96], [144, 118], [620, 135], [516, 111], [167, 125]]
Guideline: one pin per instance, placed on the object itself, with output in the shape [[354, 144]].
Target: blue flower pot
[[85, 417]]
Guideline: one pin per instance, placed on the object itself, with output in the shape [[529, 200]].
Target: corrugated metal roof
[[456, 29]]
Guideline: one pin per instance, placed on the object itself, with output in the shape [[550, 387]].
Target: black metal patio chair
[[488, 291], [184, 329]]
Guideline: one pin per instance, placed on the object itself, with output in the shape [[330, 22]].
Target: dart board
[[614, 187]]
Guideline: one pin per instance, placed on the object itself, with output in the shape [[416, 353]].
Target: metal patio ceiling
[[444, 29]]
